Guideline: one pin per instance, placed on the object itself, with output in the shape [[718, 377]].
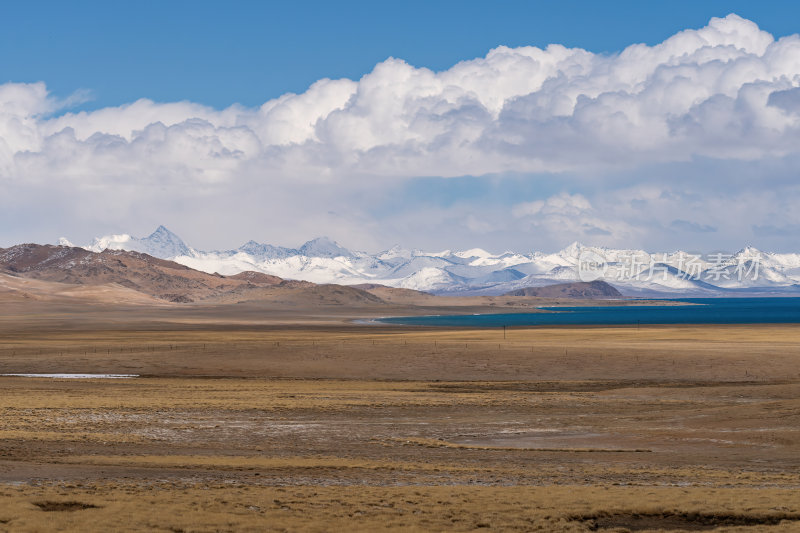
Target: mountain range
[[36, 277], [66, 273], [478, 272]]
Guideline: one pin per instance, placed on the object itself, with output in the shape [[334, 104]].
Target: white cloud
[[726, 91], [567, 217], [699, 93], [561, 204]]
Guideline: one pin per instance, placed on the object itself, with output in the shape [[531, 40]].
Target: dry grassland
[[655, 353], [360, 428]]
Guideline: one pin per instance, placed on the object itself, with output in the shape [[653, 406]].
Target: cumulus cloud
[[564, 217], [728, 91], [563, 204], [721, 91]]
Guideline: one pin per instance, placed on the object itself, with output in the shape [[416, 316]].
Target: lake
[[705, 311]]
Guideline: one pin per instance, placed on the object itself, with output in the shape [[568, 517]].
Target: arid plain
[[262, 417]]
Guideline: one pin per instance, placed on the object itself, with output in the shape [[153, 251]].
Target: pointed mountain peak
[[324, 247], [573, 249], [252, 246], [162, 231], [749, 252], [261, 251], [394, 251], [749, 249], [162, 243], [321, 240], [394, 254]]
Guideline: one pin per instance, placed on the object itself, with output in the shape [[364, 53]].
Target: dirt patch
[[580, 386], [63, 506], [678, 521]]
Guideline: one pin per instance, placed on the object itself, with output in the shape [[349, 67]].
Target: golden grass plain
[[243, 424]]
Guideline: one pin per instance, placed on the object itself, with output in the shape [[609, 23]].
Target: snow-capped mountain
[[161, 243], [476, 271]]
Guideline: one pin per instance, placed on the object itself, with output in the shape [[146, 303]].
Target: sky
[[515, 125]]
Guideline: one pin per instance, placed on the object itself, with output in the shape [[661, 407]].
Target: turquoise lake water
[[708, 311]]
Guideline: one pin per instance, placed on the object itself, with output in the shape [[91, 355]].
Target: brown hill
[[257, 278], [165, 280], [395, 295], [297, 294], [17, 289], [583, 290], [44, 273]]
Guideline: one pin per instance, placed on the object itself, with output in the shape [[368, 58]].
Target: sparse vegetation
[[316, 426]]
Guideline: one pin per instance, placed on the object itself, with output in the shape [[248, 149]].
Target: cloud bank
[[594, 125]]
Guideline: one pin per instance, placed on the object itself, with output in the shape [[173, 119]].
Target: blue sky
[[656, 125], [220, 53]]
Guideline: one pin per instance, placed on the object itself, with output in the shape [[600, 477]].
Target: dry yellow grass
[[169, 507], [677, 353], [245, 428]]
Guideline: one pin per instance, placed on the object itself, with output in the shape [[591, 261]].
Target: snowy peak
[[161, 231], [163, 243], [431, 279], [394, 252], [748, 253], [113, 242], [479, 253], [477, 271], [265, 251], [324, 247], [572, 251]]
